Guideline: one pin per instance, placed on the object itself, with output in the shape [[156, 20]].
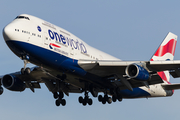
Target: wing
[[109, 68], [39, 75]]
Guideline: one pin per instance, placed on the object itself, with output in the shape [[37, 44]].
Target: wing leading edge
[[105, 68]]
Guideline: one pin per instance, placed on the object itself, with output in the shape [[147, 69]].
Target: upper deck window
[[22, 17]]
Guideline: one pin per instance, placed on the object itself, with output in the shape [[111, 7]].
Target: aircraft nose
[[8, 32]]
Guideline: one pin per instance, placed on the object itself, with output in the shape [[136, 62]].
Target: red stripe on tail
[[168, 48]]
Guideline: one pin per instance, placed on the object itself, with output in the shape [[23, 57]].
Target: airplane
[[66, 64]]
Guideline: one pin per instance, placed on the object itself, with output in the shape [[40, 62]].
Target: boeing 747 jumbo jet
[[66, 64]]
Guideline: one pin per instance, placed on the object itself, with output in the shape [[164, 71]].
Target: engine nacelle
[[137, 72], [13, 83]]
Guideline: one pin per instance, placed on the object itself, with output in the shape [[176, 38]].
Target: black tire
[[84, 102], [109, 100], [58, 102], [100, 98], [119, 98], [103, 101], [27, 71], [63, 102], [55, 95], [22, 71], [90, 102], [80, 99]]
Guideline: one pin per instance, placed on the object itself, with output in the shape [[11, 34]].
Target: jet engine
[[137, 72], [13, 83]]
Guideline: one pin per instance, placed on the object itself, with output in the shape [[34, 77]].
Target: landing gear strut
[[25, 70]]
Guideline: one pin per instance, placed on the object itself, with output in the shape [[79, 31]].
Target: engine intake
[[137, 72], [13, 83]]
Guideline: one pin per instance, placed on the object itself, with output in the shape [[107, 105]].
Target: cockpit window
[[22, 17]]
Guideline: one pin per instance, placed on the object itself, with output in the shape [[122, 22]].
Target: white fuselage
[[26, 31], [42, 34]]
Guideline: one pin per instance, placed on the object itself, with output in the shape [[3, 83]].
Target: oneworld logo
[[67, 41]]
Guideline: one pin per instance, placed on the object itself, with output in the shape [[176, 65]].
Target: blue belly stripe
[[136, 93], [48, 57]]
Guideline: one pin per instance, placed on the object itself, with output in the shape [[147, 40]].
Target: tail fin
[[166, 52]]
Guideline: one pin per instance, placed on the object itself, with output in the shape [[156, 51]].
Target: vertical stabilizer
[[166, 52]]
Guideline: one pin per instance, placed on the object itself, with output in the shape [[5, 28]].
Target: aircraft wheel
[[55, 95], [109, 100], [80, 99], [84, 102], [22, 71], [57, 102], [90, 101], [119, 98], [63, 102], [100, 98], [103, 101], [27, 71]]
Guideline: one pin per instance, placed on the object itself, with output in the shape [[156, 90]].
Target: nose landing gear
[[24, 70]]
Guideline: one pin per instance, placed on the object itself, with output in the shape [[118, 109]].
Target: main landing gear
[[59, 98], [109, 100], [59, 95], [105, 99], [115, 96], [101, 98], [86, 100]]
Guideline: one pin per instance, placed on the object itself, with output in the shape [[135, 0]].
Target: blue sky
[[129, 30]]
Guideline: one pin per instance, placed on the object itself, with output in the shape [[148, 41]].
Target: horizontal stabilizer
[[171, 86], [175, 73]]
